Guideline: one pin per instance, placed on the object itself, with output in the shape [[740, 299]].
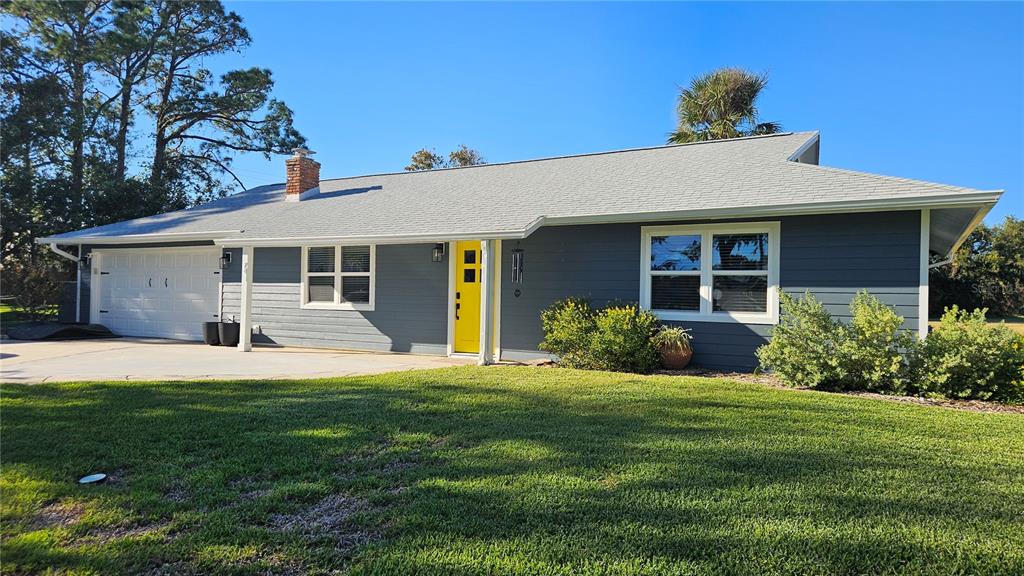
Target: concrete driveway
[[151, 359]]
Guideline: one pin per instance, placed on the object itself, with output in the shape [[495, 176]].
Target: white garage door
[[156, 292]]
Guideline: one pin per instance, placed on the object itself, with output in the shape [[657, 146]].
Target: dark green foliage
[[425, 159], [721, 104], [90, 87], [965, 357], [987, 272], [504, 470], [36, 286], [616, 338]]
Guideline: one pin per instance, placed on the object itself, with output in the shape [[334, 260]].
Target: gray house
[[462, 261]]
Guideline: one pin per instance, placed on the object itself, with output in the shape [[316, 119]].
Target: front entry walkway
[[151, 359]]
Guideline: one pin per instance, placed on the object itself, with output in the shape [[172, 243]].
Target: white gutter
[[138, 238], [56, 250]]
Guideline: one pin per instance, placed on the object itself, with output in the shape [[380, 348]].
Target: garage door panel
[[159, 293]]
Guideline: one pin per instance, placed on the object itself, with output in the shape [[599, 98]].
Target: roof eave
[[981, 198], [137, 238]]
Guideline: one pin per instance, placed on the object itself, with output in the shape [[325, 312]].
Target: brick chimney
[[303, 175]]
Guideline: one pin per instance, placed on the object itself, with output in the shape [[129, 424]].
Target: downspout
[[941, 263], [78, 276]]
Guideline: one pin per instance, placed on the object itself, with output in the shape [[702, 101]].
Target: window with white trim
[[338, 277], [715, 272]]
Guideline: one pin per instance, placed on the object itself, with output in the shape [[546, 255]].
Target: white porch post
[[487, 255], [245, 330], [78, 286], [922, 296]]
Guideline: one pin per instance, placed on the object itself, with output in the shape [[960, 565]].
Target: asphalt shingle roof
[[506, 199]]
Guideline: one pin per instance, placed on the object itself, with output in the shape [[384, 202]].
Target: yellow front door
[[467, 297]]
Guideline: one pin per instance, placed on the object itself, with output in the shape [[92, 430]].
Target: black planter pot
[[211, 333], [228, 333]]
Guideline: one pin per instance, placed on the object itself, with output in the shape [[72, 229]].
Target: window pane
[[321, 288], [675, 252], [355, 258], [321, 259], [740, 294], [355, 289], [740, 251], [469, 257], [675, 293]]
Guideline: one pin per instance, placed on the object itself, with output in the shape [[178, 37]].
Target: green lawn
[[503, 471], [1015, 323], [10, 317]]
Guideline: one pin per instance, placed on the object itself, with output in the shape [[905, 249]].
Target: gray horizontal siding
[[832, 256], [410, 312]]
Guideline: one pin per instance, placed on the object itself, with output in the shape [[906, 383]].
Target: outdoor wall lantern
[[517, 265], [85, 261], [225, 259], [438, 252]]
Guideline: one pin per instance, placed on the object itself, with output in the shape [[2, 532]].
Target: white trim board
[[925, 253]]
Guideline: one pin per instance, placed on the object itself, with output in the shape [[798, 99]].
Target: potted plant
[[673, 344], [211, 333], [228, 333]]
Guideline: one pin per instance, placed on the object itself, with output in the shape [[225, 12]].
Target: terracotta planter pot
[[675, 357]]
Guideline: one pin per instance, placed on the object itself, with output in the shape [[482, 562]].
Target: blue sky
[[928, 91]]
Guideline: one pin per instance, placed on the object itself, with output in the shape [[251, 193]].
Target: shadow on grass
[[512, 470]]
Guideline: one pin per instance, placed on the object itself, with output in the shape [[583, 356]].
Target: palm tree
[[721, 104]]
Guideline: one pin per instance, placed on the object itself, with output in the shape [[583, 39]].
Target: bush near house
[[616, 338], [35, 287], [963, 358]]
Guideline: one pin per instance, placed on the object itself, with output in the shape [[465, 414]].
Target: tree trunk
[[124, 121], [77, 135], [156, 175]]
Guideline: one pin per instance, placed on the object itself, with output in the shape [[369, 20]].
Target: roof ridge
[[887, 178], [566, 156]]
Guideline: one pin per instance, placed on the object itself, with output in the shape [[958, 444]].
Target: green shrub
[[617, 338], [876, 353], [37, 286], [811, 348], [569, 327], [622, 341], [803, 345], [964, 357]]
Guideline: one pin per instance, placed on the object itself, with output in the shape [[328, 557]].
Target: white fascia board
[[385, 239], [138, 238], [815, 137], [915, 203]]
